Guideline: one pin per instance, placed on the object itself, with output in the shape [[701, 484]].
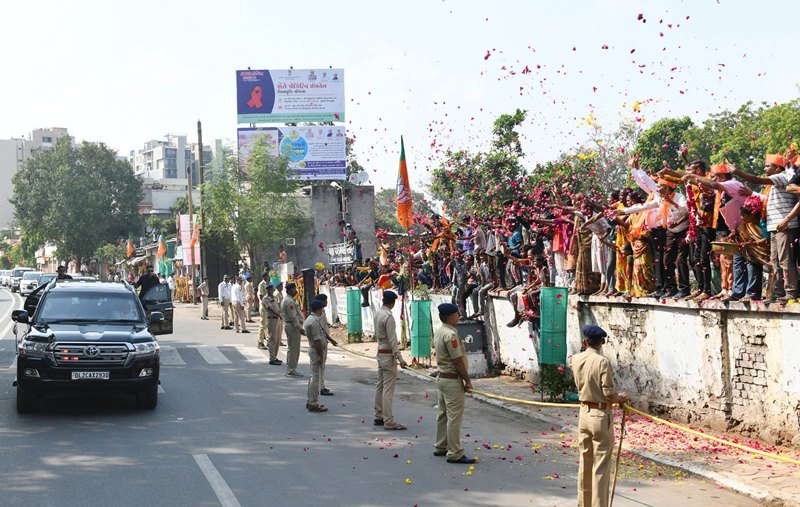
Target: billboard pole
[[192, 279], [201, 170]]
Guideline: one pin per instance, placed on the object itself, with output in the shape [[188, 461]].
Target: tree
[[660, 145], [468, 182], [258, 202], [386, 209], [77, 198]]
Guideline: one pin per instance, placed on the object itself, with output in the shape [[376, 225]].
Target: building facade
[[13, 153]]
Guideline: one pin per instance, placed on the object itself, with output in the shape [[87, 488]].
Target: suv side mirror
[[20, 316], [156, 317]]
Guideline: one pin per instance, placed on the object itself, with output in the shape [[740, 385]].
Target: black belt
[[595, 405], [384, 351], [443, 374]]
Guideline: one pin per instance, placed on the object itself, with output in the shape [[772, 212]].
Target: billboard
[[314, 152], [290, 96]]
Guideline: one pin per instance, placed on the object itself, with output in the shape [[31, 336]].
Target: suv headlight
[[32, 349], [146, 349]]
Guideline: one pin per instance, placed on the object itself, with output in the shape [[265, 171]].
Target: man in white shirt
[[673, 214], [238, 303], [171, 285], [224, 295]]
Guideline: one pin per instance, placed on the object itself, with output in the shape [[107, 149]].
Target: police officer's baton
[[619, 453]]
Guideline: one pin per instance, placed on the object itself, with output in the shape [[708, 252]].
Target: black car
[[90, 336]]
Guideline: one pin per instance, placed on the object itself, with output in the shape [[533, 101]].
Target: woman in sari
[[585, 281], [641, 281], [623, 251]]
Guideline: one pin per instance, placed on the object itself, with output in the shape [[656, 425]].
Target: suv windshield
[[18, 272], [31, 275], [85, 306], [45, 279]]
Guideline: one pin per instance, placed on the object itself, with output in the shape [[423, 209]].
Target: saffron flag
[[162, 247], [195, 236], [403, 199], [129, 247]]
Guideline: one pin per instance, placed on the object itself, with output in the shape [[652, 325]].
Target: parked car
[[4, 277], [16, 276], [88, 336], [28, 282], [45, 278]]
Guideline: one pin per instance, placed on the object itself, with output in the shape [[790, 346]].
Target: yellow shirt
[[449, 347], [593, 376]]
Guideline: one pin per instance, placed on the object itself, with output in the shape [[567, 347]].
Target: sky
[[436, 72]]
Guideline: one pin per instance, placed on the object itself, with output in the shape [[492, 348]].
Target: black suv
[[89, 335]]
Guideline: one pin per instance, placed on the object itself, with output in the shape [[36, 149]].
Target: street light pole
[[201, 170], [192, 278]]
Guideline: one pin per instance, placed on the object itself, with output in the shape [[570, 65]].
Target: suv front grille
[[83, 354]]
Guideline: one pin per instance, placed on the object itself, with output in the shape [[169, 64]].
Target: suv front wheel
[[26, 402], [148, 398]]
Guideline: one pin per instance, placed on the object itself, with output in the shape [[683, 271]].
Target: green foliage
[[555, 381], [260, 205], [77, 198], [482, 181], [110, 253], [167, 226], [660, 145]]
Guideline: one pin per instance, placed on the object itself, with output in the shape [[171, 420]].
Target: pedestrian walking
[[203, 287], [324, 391], [453, 381], [237, 302], [317, 343], [224, 295], [595, 381], [293, 326], [389, 357], [270, 314]]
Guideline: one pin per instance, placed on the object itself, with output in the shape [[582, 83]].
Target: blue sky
[[127, 72]]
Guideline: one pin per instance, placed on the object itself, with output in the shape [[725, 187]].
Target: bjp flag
[[403, 199], [162, 247], [129, 247], [195, 236]]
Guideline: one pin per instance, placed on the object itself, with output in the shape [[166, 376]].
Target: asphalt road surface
[[232, 430]]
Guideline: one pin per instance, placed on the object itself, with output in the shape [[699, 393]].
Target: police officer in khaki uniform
[[324, 391], [595, 381], [293, 325], [279, 298], [453, 381], [317, 343], [270, 313], [389, 357], [203, 287], [262, 285]]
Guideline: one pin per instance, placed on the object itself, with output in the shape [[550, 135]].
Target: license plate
[[90, 375]]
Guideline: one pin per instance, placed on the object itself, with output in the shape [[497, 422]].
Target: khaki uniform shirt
[[386, 332], [593, 376], [313, 329], [291, 313], [262, 289], [248, 291], [269, 308], [203, 288], [449, 347]]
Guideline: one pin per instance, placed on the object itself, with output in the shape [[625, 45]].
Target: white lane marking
[[13, 363], [7, 315], [170, 356], [161, 389], [218, 484], [253, 354], [212, 355]]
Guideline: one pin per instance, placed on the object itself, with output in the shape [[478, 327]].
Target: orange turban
[[719, 169], [776, 160], [796, 160], [662, 181]]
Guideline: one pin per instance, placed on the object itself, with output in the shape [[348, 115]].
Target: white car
[[4, 277], [29, 282], [16, 275]]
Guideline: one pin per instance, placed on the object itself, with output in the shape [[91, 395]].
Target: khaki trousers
[[239, 319], [448, 419], [293, 344], [272, 338], [313, 379], [226, 315], [204, 300], [322, 368], [279, 330], [384, 389], [596, 446], [781, 249]]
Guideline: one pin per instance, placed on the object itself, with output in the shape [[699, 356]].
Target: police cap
[[446, 309], [593, 332], [317, 305]]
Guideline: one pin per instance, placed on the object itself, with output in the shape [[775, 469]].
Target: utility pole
[[192, 278], [201, 170]]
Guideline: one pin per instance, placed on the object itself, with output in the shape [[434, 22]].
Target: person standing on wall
[[595, 381], [389, 357], [453, 381], [293, 325]]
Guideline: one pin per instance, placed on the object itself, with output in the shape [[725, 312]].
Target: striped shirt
[[780, 202]]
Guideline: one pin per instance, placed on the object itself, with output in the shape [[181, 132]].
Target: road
[[232, 430]]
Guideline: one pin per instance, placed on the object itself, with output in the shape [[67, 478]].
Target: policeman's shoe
[[378, 422], [440, 453], [463, 460], [262, 346], [245, 331], [275, 362], [294, 374], [326, 392]]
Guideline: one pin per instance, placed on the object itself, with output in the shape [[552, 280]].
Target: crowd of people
[[697, 234]]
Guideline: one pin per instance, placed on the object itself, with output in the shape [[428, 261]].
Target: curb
[[726, 482]]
